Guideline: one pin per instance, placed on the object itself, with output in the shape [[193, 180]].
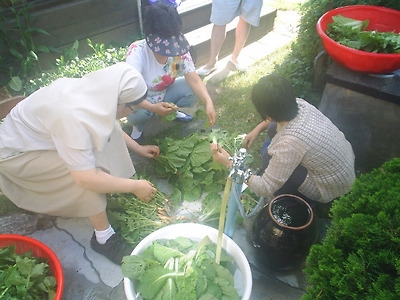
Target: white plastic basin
[[196, 232]]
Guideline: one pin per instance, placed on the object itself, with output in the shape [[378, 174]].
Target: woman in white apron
[[62, 150]]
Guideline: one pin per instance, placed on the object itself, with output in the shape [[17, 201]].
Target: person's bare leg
[[218, 35], [241, 34], [100, 221]]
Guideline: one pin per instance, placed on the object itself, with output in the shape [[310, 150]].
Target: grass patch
[[235, 112]]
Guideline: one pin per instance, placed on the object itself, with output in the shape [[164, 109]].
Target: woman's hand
[[149, 151], [163, 108], [159, 108], [210, 111], [220, 155], [198, 87], [253, 135], [249, 139], [145, 190]]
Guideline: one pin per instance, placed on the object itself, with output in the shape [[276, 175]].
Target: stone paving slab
[[87, 274]]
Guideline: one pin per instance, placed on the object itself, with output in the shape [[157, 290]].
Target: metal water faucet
[[239, 171]]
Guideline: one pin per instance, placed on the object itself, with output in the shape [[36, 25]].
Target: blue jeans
[[179, 93]]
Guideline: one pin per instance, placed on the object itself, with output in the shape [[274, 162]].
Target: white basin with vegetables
[[197, 232]]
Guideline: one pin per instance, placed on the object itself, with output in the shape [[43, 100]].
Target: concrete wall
[[370, 124], [102, 21]]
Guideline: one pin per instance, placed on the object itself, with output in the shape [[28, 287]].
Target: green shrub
[[78, 67], [360, 256], [19, 53], [298, 65]]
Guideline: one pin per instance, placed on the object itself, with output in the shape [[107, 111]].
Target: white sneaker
[[238, 66], [205, 72]]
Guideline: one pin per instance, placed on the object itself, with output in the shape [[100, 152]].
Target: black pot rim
[[297, 198]]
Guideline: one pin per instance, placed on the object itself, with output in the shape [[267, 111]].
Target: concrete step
[[194, 14], [199, 38]]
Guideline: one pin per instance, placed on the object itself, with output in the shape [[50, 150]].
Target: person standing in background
[[222, 13]]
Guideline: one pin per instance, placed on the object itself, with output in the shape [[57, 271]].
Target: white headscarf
[[82, 111]]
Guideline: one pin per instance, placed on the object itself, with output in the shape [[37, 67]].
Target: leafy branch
[[21, 60]]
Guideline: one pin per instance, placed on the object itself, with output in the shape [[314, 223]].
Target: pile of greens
[[352, 33], [189, 167], [134, 219], [180, 269], [24, 276]]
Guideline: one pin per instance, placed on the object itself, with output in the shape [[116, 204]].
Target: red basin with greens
[[381, 19], [25, 244]]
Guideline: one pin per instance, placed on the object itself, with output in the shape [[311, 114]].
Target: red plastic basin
[[25, 244], [381, 19]]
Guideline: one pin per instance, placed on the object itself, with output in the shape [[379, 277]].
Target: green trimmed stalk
[[222, 219]]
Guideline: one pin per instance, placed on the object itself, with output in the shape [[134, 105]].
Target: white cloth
[[82, 111], [158, 77], [224, 11], [40, 181], [71, 114], [313, 141], [79, 111]]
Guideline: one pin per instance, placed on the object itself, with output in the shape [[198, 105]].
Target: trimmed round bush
[[360, 256]]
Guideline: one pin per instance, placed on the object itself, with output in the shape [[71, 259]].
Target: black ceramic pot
[[283, 233]]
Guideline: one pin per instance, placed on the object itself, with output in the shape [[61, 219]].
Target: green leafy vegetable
[[134, 219], [230, 142], [352, 33], [180, 269], [189, 166], [172, 116], [24, 276], [169, 118], [211, 209]]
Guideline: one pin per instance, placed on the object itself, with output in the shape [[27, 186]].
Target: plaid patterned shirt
[[313, 141]]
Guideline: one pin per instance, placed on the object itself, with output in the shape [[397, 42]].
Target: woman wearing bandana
[[167, 67], [62, 150]]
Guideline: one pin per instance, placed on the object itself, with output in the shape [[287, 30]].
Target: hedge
[[360, 256]]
